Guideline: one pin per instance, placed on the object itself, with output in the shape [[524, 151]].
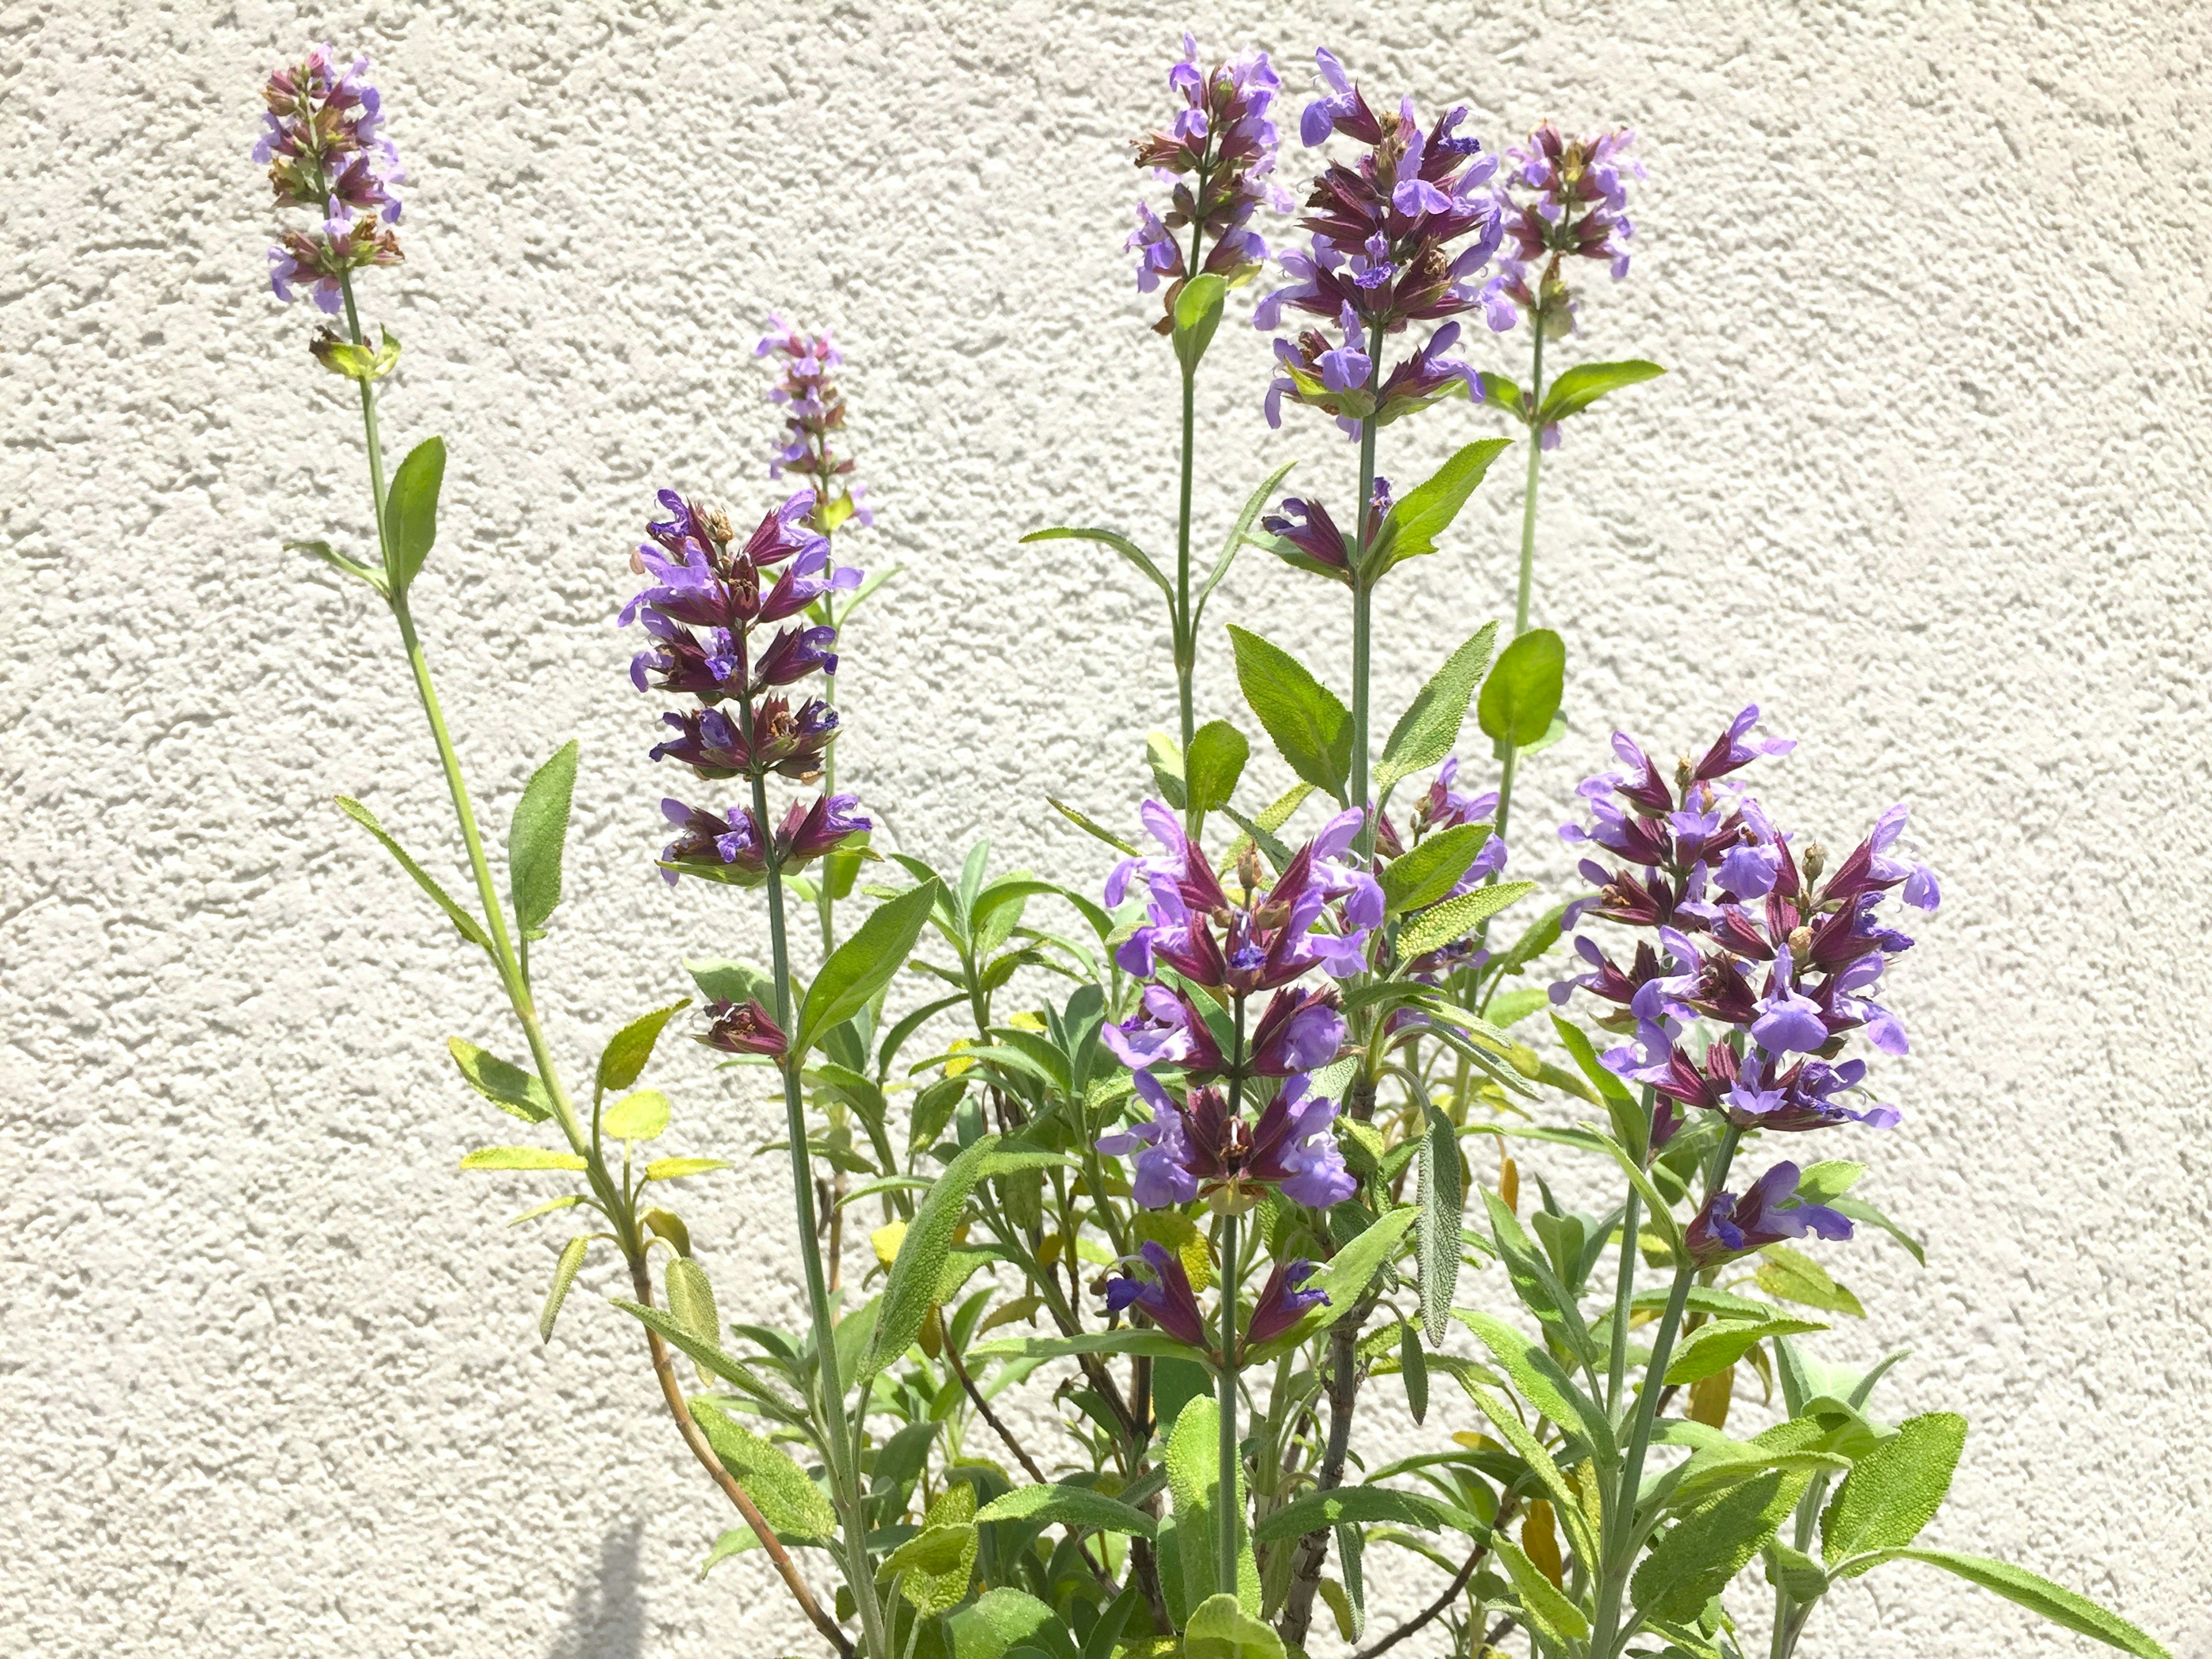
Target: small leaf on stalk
[[1426, 511], [410, 510], [1456, 917], [1443, 1195], [471, 928], [1197, 314], [520, 1158], [1428, 872], [513, 1090], [1585, 383], [1216, 762], [640, 1116], [627, 1050], [1522, 692], [564, 1275], [864, 963], [535, 838], [337, 561]]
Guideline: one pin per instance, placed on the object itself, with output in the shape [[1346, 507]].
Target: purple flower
[[322, 141], [813, 408], [1719, 895], [809, 830], [1281, 1303], [1165, 1298], [1301, 1031], [704, 838], [1564, 198], [1166, 1030], [1218, 151], [1383, 255], [1729, 1226], [714, 745], [1196, 1149], [745, 1028]]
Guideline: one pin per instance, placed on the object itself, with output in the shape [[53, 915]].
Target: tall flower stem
[[1231, 1266], [1522, 592], [840, 1450], [1361, 607], [1186, 645], [1623, 1292], [1617, 1545], [514, 978]]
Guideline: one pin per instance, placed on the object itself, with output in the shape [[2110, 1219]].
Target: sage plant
[[1246, 1063]]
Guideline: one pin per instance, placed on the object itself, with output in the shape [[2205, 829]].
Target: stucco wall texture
[[1928, 479]]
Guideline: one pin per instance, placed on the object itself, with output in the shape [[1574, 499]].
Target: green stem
[[1231, 1266], [840, 1451], [1527, 551], [1362, 603], [1186, 644], [1620, 1518], [1623, 1292]]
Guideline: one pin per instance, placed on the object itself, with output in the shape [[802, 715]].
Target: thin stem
[[1451, 1592], [1231, 1267], [1620, 1519], [1527, 549], [1624, 1293], [1361, 617], [1186, 643]]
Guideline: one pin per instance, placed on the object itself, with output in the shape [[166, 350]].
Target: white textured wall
[[1929, 479]]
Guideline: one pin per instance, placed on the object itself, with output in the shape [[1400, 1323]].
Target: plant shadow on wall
[[1249, 1067], [606, 1611]]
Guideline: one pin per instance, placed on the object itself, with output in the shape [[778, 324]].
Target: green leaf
[[1308, 726], [912, 1289], [564, 1275], [1795, 1573], [1859, 1210], [1443, 1196], [722, 980], [1194, 1463], [864, 963], [1457, 917], [520, 1158], [690, 1296], [1554, 1618], [1538, 1380], [1216, 761], [1829, 1180], [627, 1051], [1091, 826], [1584, 384], [337, 561], [1418, 877], [513, 1090], [1430, 726], [1713, 1542], [2062, 1607], [1713, 1348], [1534, 1281], [1789, 1275], [1566, 1504], [410, 510], [779, 1488], [1893, 1490], [935, 1567], [1129, 1339], [640, 1116], [1522, 692], [1426, 511], [675, 1169], [1364, 1506], [1220, 1628], [1000, 1620], [471, 928], [1112, 539], [534, 840], [1255, 504], [1069, 1506], [1413, 1365], [1197, 314]]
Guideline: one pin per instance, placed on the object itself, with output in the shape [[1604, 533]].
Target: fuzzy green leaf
[[471, 928], [513, 1090], [1694, 1560], [1893, 1490], [1456, 918], [1309, 727], [1426, 511], [1428, 728], [788, 1500], [564, 1275], [535, 839], [520, 1158], [1069, 1506], [1585, 383], [624, 1057], [1216, 761], [2060, 1606], [864, 963], [410, 510]]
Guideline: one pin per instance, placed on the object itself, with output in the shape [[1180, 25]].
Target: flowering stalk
[[1217, 152], [321, 140], [1575, 209]]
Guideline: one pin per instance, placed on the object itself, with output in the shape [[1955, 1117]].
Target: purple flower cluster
[[1165, 1297], [1571, 204], [1768, 1212], [322, 143], [806, 390], [1217, 152], [1382, 257], [1317, 914], [1741, 930], [703, 608]]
